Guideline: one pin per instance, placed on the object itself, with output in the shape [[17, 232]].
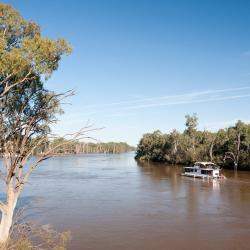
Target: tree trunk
[[235, 166], [237, 152], [211, 152], [175, 147], [7, 215]]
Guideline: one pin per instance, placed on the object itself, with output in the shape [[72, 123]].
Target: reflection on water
[[112, 202]]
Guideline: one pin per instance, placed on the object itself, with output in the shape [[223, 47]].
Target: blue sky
[[138, 66]]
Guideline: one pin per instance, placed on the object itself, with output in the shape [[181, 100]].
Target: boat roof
[[204, 163], [204, 168]]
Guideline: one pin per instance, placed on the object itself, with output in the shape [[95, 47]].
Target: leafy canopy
[[24, 52], [27, 108]]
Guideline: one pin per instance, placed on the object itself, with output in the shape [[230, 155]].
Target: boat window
[[207, 172], [187, 170], [210, 172]]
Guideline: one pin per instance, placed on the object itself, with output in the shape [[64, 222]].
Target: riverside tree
[[229, 147], [27, 108], [239, 144]]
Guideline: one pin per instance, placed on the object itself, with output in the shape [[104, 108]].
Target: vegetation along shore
[[229, 147]]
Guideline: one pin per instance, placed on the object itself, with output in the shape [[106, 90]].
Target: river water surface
[[110, 202]]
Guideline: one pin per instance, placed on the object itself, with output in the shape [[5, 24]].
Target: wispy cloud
[[186, 101], [116, 109], [185, 98], [125, 108]]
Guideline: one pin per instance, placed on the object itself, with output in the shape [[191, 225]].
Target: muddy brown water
[[109, 202]]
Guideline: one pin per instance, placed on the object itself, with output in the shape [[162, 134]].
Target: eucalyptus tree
[[209, 140], [239, 141], [27, 109], [175, 141], [191, 129], [191, 124], [224, 147]]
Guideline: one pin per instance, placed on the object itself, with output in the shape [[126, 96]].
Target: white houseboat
[[204, 170]]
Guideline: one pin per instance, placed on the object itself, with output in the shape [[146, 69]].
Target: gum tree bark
[[7, 211]]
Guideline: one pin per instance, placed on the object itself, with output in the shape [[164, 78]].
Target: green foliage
[[27, 109], [24, 52], [152, 146], [227, 147], [191, 124]]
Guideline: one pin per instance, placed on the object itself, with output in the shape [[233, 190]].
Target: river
[[110, 202]]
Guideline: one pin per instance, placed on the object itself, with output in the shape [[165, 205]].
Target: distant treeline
[[76, 147], [228, 147]]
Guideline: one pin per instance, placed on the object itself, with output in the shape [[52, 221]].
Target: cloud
[[124, 108], [166, 100], [181, 102]]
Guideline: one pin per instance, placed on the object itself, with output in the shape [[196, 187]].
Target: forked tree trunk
[[7, 214]]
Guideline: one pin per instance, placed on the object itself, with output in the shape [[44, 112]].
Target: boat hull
[[201, 176]]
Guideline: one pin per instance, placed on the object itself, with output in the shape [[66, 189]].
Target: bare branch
[[49, 153]]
